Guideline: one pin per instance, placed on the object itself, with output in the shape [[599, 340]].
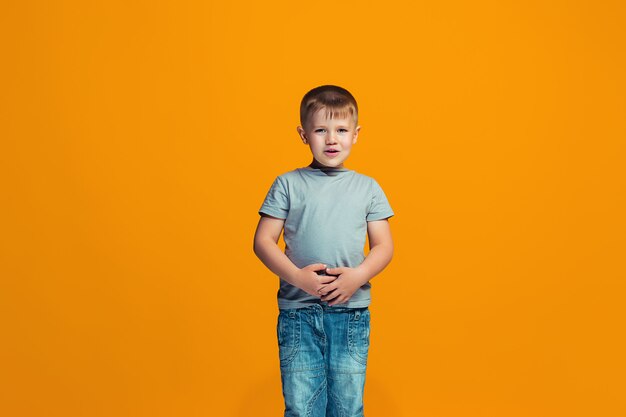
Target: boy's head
[[329, 124]]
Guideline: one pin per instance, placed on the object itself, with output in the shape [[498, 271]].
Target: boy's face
[[330, 140]]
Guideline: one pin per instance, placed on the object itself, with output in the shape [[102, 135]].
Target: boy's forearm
[[377, 259], [275, 260]]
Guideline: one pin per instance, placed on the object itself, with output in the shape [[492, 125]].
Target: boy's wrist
[[364, 274], [293, 276]]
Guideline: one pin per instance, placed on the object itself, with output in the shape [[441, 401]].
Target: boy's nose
[[331, 138]]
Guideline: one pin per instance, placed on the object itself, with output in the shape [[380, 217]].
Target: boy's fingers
[[315, 267], [330, 295], [339, 300], [325, 279], [325, 289], [335, 271]]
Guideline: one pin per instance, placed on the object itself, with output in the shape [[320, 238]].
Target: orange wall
[[139, 139]]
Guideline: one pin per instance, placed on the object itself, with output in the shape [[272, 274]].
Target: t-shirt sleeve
[[276, 201], [379, 205]]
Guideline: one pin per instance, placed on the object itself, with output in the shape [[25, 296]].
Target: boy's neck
[[317, 165]]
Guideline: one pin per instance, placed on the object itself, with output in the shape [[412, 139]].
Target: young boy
[[325, 209]]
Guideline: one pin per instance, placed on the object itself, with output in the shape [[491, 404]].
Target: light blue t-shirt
[[326, 213]]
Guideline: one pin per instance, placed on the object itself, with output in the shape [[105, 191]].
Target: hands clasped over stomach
[[336, 287]]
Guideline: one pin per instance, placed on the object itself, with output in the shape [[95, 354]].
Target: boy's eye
[[322, 130]]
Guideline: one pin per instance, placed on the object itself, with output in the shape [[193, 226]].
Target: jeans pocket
[[359, 335], [288, 333]]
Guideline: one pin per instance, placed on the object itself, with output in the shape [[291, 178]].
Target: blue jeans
[[323, 358]]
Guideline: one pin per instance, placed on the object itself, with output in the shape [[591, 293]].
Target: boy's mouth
[[331, 152]]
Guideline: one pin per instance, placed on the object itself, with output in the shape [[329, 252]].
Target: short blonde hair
[[336, 100]]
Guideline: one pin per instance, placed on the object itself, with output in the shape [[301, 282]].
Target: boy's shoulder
[[290, 173]]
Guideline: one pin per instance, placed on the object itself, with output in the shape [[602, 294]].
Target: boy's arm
[[381, 249], [266, 248]]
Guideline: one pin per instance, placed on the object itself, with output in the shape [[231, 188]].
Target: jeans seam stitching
[[296, 346], [351, 344], [315, 395]]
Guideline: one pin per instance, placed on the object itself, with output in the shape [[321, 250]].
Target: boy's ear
[[356, 134], [302, 134]]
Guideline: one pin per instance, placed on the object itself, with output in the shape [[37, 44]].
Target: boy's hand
[[348, 281], [310, 282]]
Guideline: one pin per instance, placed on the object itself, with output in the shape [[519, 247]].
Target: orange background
[[140, 138]]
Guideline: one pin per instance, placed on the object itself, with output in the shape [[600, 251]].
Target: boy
[[325, 209]]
